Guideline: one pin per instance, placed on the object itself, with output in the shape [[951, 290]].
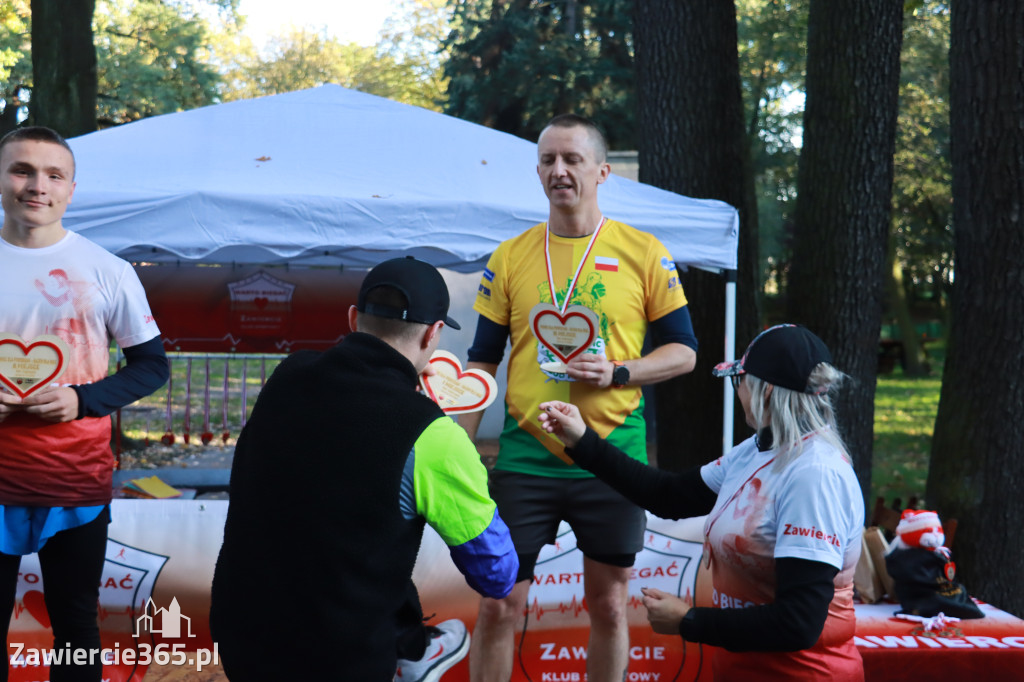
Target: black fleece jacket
[[317, 556]]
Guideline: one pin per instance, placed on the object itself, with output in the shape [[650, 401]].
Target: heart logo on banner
[[566, 335], [455, 390], [27, 367], [36, 605]]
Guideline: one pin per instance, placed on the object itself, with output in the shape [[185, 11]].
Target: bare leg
[[607, 591], [492, 647]]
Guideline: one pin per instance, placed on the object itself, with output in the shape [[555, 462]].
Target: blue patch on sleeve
[[489, 561]]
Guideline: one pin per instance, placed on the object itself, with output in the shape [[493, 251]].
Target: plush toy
[[922, 572], [921, 529]]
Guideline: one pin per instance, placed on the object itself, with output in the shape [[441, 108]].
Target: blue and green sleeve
[[450, 490]]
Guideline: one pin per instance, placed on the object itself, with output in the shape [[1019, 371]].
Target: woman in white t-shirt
[[784, 518]]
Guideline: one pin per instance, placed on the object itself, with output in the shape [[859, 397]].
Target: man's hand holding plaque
[[457, 391], [28, 368], [561, 337]]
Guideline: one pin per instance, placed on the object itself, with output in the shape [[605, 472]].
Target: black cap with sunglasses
[[783, 355]]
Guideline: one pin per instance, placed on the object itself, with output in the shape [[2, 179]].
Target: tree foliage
[[160, 56], [154, 58], [922, 199], [413, 37], [14, 34], [772, 47], [920, 251], [15, 64], [301, 58], [403, 66], [513, 64]]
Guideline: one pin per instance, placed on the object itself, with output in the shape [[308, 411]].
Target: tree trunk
[[977, 466], [912, 352], [691, 140], [841, 220], [64, 66]]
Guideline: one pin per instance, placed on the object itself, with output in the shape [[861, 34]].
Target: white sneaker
[[449, 644]]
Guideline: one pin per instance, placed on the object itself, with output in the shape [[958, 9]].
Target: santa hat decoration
[[920, 529], [922, 572]]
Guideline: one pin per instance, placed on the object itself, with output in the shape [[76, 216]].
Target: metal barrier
[[205, 390]]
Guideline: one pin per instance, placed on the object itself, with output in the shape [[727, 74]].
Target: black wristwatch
[[620, 375]]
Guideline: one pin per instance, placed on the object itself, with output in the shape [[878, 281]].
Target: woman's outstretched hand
[[665, 611], [563, 420]]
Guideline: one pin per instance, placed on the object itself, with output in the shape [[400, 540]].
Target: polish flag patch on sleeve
[[606, 264]]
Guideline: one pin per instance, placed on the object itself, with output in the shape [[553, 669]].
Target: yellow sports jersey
[[628, 279]]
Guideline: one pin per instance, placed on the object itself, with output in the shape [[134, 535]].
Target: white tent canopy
[[335, 177], [330, 176]]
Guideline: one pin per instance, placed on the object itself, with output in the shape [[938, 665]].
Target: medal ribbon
[[579, 268]]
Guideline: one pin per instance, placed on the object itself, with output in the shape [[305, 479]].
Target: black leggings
[[72, 566]]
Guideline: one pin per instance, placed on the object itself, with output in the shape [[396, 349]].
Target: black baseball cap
[[420, 282], [783, 355]]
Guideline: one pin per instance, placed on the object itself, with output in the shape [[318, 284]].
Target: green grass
[[905, 409]]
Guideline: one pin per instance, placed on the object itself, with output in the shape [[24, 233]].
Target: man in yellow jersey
[[576, 296]]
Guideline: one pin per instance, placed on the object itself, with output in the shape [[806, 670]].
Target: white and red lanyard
[[579, 268]]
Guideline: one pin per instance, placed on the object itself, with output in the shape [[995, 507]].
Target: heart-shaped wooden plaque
[[456, 390], [27, 367], [566, 335]]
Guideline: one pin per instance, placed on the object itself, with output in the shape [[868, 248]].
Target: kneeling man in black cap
[[314, 579]]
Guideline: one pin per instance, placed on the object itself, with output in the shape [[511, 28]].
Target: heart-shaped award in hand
[[565, 335], [28, 367], [456, 390]]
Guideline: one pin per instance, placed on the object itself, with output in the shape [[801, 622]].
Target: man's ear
[[352, 316], [433, 330]]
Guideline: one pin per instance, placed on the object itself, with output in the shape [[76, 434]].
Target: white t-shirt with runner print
[[811, 508], [86, 296]]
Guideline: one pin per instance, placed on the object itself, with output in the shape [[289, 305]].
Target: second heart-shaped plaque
[[456, 390]]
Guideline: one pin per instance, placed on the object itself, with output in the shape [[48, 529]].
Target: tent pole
[[730, 354]]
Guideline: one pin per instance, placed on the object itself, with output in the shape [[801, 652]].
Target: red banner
[[224, 309], [155, 603]]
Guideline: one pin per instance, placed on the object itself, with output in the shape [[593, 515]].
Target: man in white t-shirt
[[63, 292]]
